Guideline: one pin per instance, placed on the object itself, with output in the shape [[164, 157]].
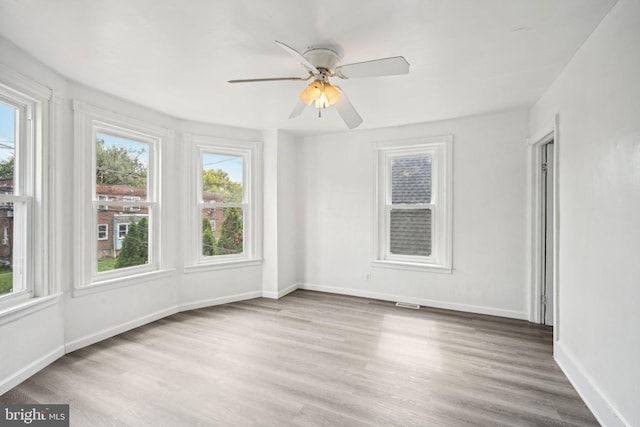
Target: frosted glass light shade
[[324, 94]]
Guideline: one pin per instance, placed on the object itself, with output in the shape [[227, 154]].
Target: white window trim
[[106, 232], [440, 149], [39, 105], [126, 227], [88, 121], [251, 151]]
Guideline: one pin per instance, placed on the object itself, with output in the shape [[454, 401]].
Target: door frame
[[535, 178]]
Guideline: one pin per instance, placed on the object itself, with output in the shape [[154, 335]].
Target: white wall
[[95, 316], [289, 262], [324, 212], [281, 266], [31, 341], [597, 99], [34, 338], [489, 229]]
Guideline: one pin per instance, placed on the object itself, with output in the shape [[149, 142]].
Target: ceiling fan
[[322, 62]]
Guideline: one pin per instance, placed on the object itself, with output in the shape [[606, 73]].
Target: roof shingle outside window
[[411, 180]]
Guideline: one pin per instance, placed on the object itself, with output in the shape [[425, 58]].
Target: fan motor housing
[[323, 57]]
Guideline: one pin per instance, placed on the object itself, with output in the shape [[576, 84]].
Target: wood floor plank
[[314, 359]]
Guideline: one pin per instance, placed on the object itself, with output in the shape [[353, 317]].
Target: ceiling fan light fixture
[[332, 93], [322, 101], [311, 92], [321, 94], [323, 62]]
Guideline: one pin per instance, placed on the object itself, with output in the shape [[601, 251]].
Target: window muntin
[[414, 206]]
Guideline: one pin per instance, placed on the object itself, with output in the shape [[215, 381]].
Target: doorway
[[547, 197]]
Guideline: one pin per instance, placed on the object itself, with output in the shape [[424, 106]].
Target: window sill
[[212, 266], [109, 284], [32, 305], [409, 266]]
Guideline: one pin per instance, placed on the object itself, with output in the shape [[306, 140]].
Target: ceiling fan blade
[[377, 67], [308, 65], [300, 106], [349, 114], [271, 79]]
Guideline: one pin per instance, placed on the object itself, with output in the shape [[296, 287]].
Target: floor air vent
[[408, 305]]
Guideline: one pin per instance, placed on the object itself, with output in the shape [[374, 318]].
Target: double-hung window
[[103, 231], [225, 221], [23, 108], [121, 163], [414, 204]]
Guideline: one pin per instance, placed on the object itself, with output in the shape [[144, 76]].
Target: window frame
[[88, 122], [439, 150], [131, 208], [106, 232], [119, 231], [105, 198], [37, 106], [251, 152]]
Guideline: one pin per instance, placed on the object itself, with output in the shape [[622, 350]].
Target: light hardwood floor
[[312, 358]]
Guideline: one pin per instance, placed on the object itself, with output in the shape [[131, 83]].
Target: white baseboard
[[115, 330], [221, 300], [421, 301], [31, 369], [595, 400], [76, 344], [280, 294], [124, 327]]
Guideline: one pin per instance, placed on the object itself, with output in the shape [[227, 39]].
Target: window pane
[[6, 248], [211, 220], [8, 116], [222, 231], [121, 167], [103, 231], [411, 180], [410, 232], [222, 178], [123, 238]]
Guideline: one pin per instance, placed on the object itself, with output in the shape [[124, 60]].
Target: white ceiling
[[175, 56]]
